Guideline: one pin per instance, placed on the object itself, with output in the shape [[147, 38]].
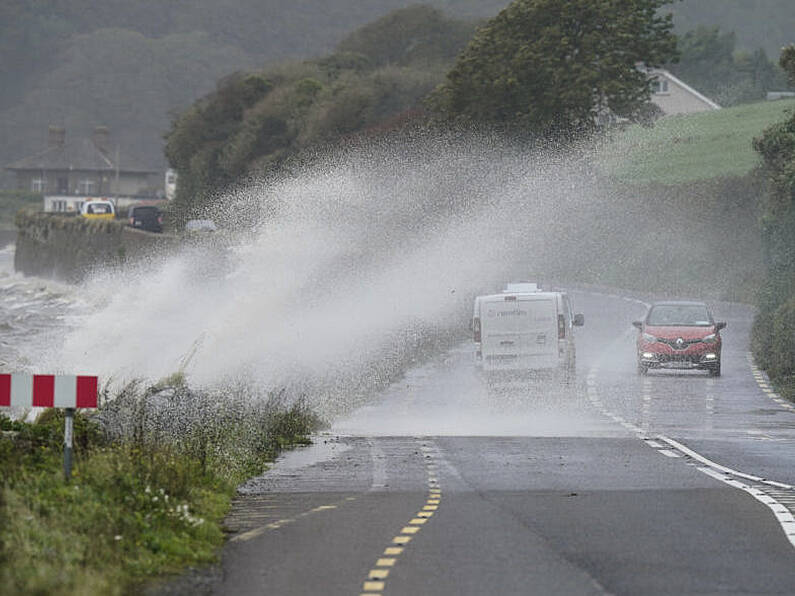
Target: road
[[673, 483]]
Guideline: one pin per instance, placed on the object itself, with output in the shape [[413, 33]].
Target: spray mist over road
[[330, 278]]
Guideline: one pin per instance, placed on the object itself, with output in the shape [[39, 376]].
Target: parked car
[[145, 217], [98, 209], [681, 335], [525, 329]]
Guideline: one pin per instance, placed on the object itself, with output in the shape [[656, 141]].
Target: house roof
[[685, 86], [79, 154]]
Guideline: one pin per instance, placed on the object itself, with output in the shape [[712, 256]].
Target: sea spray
[[334, 274]]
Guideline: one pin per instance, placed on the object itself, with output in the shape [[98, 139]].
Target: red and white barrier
[[48, 391]]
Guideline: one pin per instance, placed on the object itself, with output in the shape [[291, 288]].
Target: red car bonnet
[[672, 332]]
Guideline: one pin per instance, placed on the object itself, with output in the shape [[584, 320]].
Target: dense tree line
[[774, 327], [710, 61], [253, 122], [130, 64], [553, 67], [765, 24]]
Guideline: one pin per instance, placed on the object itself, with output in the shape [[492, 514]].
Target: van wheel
[[642, 369], [715, 370]]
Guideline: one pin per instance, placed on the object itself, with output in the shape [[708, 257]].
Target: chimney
[[100, 138], [56, 136]]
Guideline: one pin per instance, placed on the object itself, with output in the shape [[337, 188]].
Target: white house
[[674, 96], [68, 171]]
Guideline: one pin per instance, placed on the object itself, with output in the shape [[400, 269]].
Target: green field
[[681, 149]]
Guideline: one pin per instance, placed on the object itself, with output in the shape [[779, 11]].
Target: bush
[[782, 340], [154, 473]]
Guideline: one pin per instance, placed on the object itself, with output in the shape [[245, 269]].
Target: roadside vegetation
[[774, 327], [253, 122], [154, 472]]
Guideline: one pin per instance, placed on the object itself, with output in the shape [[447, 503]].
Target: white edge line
[[717, 466], [784, 519]]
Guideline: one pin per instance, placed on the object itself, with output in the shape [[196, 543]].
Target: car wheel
[[715, 370], [642, 368]]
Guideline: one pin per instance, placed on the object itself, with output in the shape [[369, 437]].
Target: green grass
[[137, 508], [692, 148]]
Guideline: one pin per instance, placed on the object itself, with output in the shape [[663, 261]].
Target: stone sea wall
[[69, 247]]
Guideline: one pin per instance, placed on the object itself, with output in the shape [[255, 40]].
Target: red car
[[679, 335]]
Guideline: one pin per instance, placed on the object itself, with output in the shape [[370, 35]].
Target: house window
[[86, 186], [63, 185], [38, 185], [659, 86]]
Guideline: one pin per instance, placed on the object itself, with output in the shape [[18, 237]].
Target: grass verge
[[694, 147], [152, 481]]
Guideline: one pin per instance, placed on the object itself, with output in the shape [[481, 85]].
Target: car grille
[[677, 345]]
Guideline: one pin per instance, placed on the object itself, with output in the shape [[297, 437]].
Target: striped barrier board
[[48, 391]]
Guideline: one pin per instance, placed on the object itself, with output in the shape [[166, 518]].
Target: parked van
[[98, 209], [524, 328]]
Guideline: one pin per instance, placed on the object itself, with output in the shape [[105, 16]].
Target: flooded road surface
[[671, 483]]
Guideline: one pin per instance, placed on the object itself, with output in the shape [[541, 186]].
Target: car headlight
[[710, 339], [649, 338]]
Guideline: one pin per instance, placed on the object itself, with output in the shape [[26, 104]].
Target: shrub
[[782, 340]]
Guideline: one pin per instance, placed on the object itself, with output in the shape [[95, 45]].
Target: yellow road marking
[[323, 508], [417, 521], [375, 580]]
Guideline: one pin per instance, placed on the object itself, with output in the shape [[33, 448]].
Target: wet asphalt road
[[675, 483]]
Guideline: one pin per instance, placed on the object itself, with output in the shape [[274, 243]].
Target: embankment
[[68, 247]]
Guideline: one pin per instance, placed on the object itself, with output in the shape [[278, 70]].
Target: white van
[[525, 328]]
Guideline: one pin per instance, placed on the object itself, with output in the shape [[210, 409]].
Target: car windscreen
[[682, 315]]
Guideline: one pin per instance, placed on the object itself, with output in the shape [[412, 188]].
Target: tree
[[705, 58], [787, 62], [550, 67], [410, 35], [709, 62]]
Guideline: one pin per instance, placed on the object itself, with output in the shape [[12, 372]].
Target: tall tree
[[551, 66]]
